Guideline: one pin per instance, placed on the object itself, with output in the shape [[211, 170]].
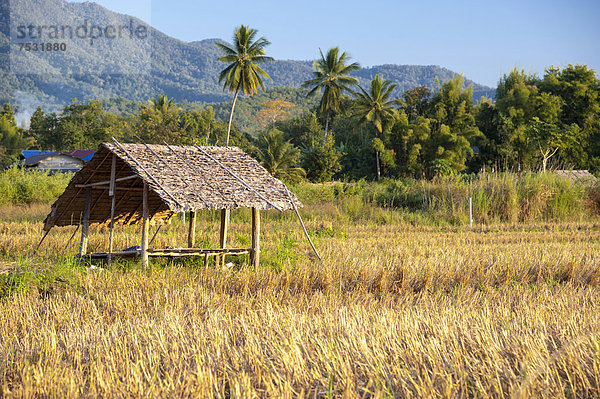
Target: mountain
[[138, 69]]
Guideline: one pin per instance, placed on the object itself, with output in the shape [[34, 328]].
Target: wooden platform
[[170, 252]]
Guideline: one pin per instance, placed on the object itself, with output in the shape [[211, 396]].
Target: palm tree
[[280, 157], [375, 107], [162, 105], [331, 77], [243, 73]]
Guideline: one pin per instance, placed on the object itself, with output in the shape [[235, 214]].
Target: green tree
[[414, 101], [516, 105], [578, 89], [452, 125], [279, 157], [321, 162], [375, 107], [198, 126], [546, 139], [159, 121], [12, 141], [407, 139], [81, 125], [331, 78], [243, 72], [303, 131]]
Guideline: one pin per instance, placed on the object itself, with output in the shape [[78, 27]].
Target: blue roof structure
[[31, 153]]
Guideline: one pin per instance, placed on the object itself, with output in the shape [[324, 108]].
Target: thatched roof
[[179, 178], [576, 175]]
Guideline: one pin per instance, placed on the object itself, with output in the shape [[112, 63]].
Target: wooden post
[[111, 193], [255, 254], [192, 230], [223, 233], [145, 224], [86, 222]]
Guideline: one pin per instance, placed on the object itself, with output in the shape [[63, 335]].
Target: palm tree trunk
[[326, 128], [378, 170], [237, 91]]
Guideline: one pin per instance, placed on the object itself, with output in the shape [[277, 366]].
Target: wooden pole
[[255, 254], [71, 238], [41, 241], [145, 226], [155, 234], [302, 224], [111, 193], [223, 233], [192, 230], [86, 222]]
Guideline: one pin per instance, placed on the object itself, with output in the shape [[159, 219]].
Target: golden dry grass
[[394, 310]]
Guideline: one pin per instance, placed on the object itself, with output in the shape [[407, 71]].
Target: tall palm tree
[[243, 73], [331, 77], [375, 107]]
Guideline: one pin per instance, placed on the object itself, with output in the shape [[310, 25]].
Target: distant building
[[53, 162], [86, 155], [31, 153]]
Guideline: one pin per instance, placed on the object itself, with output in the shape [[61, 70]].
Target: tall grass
[[506, 197]]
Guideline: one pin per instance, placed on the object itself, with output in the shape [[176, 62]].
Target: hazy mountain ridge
[[184, 71]]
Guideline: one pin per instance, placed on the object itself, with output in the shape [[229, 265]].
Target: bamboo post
[[111, 193], [223, 233], [86, 222], [145, 226], [255, 254], [155, 234], [192, 230], [71, 238], [302, 224]]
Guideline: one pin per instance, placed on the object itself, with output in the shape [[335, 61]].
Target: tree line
[[355, 132]]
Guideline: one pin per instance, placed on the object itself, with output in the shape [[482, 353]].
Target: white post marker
[[470, 212]]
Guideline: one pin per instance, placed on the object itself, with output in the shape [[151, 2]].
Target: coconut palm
[[243, 73], [331, 78], [375, 107], [162, 105], [280, 157]]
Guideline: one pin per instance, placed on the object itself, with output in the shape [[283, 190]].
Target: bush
[[19, 186]]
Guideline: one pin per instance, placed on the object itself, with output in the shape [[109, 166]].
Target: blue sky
[[482, 39]]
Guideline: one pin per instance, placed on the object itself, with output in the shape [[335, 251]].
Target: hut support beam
[[223, 233], [112, 194], [86, 222], [145, 226], [255, 254], [192, 230]]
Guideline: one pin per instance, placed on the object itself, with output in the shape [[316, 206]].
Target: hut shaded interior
[[177, 179]]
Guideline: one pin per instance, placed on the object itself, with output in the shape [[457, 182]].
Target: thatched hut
[[139, 183]]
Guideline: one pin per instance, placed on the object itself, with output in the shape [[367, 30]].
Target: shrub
[[19, 186]]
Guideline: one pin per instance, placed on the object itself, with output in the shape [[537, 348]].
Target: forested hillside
[[183, 71]]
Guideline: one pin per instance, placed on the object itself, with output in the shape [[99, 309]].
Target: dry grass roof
[[576, 175], [179, 178]]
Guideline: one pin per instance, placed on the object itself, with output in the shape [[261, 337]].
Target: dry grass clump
[[394, 310]]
